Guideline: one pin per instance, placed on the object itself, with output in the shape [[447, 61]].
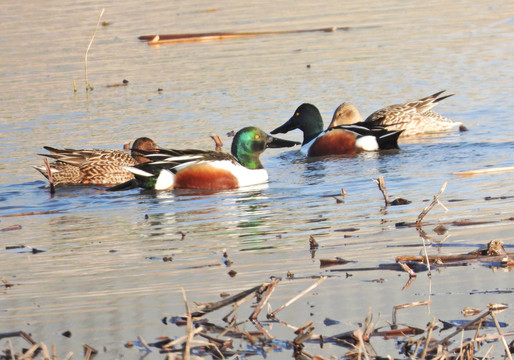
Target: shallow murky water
[[101, 274]]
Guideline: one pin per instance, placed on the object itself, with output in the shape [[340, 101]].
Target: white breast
[[367, 143]]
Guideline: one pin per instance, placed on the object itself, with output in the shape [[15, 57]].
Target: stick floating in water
[[485, 171], [179, 38]]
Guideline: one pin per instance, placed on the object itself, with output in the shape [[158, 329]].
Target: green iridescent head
[[250, 142]]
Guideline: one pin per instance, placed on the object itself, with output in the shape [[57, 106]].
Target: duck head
[[307, 118], [143, 146], [250, 142]]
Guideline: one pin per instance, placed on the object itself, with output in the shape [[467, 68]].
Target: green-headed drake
[[210, 170], [337, 139]]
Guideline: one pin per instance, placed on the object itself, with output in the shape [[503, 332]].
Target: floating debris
[[313, 244], [195, 37], [6, 283], [382, 187], [400, 201], [226, 261], [217, 142], [493, 252], [123, 83], [331, 262], [484, 171], [11, 228], [468, 311]]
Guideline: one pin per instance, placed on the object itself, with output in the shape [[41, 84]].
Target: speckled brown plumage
[[95, 166], [414, 118]]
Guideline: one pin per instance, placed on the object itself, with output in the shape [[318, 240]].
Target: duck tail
[[389, 140], [42, 170], [442, 98]]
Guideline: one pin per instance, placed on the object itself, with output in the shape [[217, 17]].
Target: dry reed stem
[[485, 171], [362, 348], [409, 305], [458, 329], [477, 333], [237, 304], [406, 268], [487, 337], [196, 37], [46, 354], [368, 325], [295, 329], [181, 339], [265, 298], [144, 343], [382, 187], [47, 212], [232, 325], [409, 283], [11, 348], [189, 328], [263, 330], [28, 354], [461, 346], [422, 215], [507, 351], [217, 142], [431, 205], [88, 86], [303, 327], [320, 280], [206, 308], [488, 351], [429, 274]]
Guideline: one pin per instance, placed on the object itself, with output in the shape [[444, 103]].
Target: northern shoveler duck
[[345, 114], [414, 118], [95, 166], [209, 170], [337, 139]]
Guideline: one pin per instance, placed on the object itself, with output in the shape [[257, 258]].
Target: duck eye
[[256, 136], [297, 114]]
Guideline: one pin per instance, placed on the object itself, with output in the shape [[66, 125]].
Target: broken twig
[[381, 186], [195, 37], [320, 280], [265, 298], [504, 342], [432, 204], [485, 171]]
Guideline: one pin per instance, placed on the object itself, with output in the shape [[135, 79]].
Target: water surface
[[102, 276]]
